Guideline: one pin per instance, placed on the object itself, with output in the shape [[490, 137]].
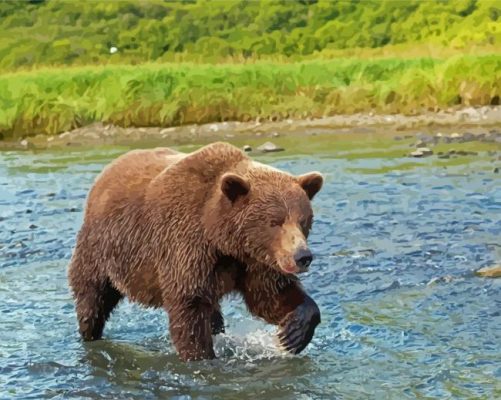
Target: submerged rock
[[269, 147], [490, 272], [440, 279]]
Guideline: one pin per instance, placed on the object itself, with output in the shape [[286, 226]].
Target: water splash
[[257, 345]]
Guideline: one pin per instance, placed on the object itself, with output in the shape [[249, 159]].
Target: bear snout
[[303, 259]]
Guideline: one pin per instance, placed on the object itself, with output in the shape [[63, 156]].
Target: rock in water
[[421, 152], [247, 148], [269, 147], [490, 272]]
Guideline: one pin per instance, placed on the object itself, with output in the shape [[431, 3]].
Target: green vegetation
[[54, 100], [39, 32], [203, 61]]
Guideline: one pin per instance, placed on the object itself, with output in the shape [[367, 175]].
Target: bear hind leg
[[94, 305]]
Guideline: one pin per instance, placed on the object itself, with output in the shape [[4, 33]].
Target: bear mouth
[[291, 268], [285, 267]]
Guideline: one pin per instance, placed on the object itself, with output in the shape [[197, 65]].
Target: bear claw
[[297, 328]]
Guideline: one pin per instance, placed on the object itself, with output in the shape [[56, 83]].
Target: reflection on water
[[402, 314]]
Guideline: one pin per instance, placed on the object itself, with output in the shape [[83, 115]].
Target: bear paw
[[297, 328]]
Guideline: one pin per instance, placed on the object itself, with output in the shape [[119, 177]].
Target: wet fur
[[158, 230]]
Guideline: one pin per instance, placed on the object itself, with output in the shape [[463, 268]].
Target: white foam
[[256, 345]]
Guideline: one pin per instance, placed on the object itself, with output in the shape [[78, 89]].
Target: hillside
[[54, 32]]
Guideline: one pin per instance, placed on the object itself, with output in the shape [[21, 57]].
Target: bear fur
[[180, 231]]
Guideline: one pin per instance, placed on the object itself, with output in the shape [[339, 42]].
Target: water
[[403, 316]]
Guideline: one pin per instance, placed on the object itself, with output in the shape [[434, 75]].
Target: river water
[[403, 315]]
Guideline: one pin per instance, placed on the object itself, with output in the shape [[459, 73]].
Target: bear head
[[261, 214]]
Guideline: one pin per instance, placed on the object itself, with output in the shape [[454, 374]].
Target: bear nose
[[303, 259]]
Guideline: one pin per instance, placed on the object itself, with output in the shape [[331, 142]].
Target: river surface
[[396, 240]]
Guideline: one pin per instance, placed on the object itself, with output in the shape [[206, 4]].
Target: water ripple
[[402, 313]]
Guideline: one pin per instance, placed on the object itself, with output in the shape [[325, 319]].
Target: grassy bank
[[54, 100]]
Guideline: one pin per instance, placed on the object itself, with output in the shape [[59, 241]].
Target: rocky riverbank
[[469, 124], [426, 141]]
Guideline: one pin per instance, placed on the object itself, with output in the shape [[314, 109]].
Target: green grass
[[51, 101]]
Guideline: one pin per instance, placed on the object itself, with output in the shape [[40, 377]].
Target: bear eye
[[306, 224], [277, 222]]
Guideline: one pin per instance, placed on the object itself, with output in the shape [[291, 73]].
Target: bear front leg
[[190, 329], [286, 305], [298, 327]]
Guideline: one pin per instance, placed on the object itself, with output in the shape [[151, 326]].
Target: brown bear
[[179, 231]]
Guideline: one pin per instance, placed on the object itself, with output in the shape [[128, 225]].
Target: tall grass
[[55, 100]]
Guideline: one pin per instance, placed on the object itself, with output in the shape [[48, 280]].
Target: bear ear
[[311, 183], [233, 186]]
